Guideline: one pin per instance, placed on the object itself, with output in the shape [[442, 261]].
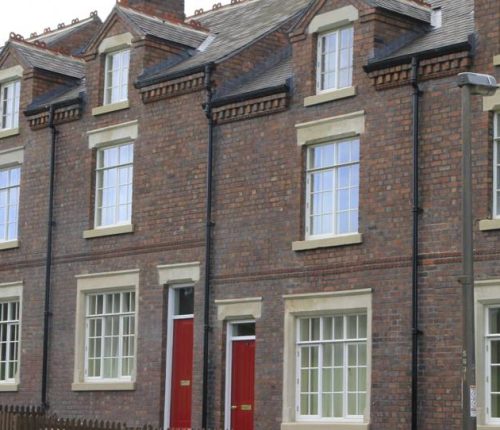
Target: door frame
[[229, 366], [171, 318]]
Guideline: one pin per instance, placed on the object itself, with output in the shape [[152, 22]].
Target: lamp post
[[471, 84]]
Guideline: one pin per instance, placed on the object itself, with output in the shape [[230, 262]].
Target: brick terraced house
[[209, 221]]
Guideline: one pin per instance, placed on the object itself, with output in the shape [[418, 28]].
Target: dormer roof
[[161, 28], [141, 25], [63, 32], [39, 57], [456, 30], [232, 28]]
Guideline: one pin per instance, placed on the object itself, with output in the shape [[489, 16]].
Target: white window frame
[[319, 62], [98, 193], [12, 113], [230, 338], [346, 418], [318, 305], [108, 88], [488, 339], [171, 317], [334, 168], [13, 292], [8, 190], [98, 283], [7, 325], [121, 335], [496, 165]]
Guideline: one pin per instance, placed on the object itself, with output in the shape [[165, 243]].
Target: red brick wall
[[258, 212]]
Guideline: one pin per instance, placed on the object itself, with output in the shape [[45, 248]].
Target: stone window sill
[[488, 427], [103, 386], [108, 231], [496, 60], [113, 107], [489, 224], [330, 96], [324, 426], [12, 244], [350, 239], [9, 387], [9, 132]]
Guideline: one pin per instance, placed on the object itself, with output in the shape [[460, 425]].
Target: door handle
[[234, 407]]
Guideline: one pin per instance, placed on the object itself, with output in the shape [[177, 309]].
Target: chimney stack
[[173, 8]]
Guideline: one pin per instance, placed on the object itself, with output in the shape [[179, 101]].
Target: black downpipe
[[48, 260], [416, 212], [208, 240]]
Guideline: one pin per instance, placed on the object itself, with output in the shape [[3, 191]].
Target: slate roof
[[404, 7], [265, 76], [56, 35], [457, 26], [59, 95], [163, 29], [44, 59], [235, 27]]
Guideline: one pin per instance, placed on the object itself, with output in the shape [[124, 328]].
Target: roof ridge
[[165, 17], [62, 26], [218, 6], [17, 38], [420, 3]]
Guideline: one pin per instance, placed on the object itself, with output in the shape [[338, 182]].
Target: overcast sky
[[27, 16]]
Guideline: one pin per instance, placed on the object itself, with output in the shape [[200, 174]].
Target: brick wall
[[258, 213]]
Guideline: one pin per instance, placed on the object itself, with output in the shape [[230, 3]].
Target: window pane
[[352, 327], [184, 298], [333, 370], [494, 321], [495, 352], [315, 327], [327, 405], [339, 328], [117, 70], [495, 379], [110, 337], [247, 329], [333, 189], [304, 329], [114, 185], [495, 406], [327, 328]]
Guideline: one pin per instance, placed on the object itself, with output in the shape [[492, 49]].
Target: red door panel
[[242, 385], [182, 374]]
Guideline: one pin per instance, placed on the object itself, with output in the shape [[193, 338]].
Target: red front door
[[182, 374], [242, 384]]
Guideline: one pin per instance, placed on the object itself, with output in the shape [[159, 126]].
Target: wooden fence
[[32, 418]]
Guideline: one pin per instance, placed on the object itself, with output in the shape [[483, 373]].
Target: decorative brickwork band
[[175, 87], [251, 108], [446, 65], [62, 115]]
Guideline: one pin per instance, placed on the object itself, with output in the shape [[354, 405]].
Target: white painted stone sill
[[11, 244], [351, 239], [330, 96], [9, 387], [103, 386], [488, 427], [9, 132], [489, 224], [324, 426], [108, 231], [113, 107]]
